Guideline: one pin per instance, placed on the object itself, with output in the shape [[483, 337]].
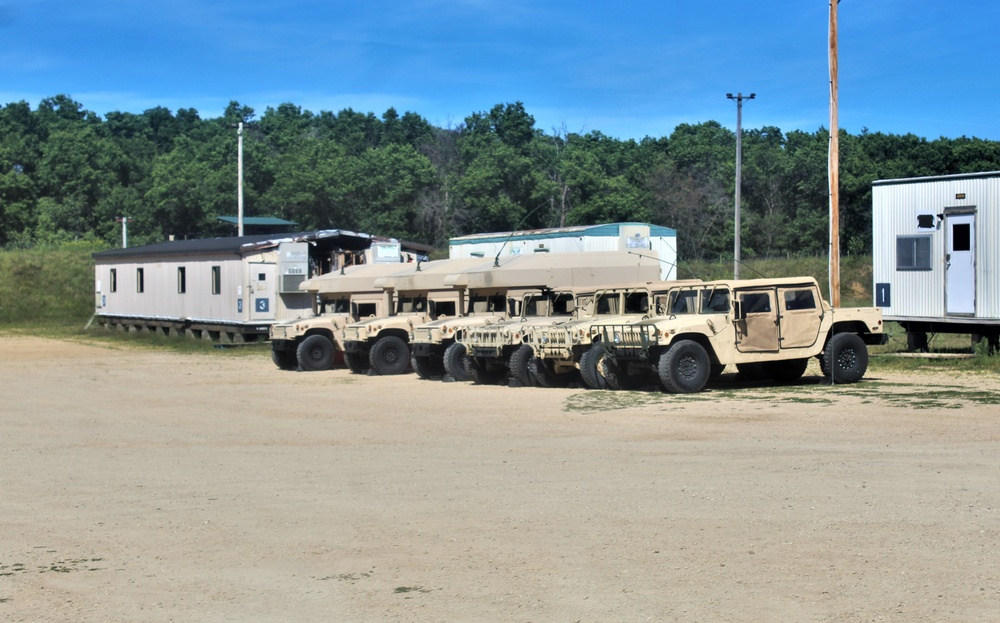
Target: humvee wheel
[[480, 375], [356, 362], [285, 359], [390, 355], [685, 367], [544, 376], [751, 371], [427, 367], [315, 353], [846, 358], [518, 365], [454, 362], [617, 377], [786, 371], [589, 368]]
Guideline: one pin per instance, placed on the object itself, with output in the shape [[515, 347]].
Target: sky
[[626, 68]]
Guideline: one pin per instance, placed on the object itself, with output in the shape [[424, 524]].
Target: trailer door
[[960, 264], [262, 288]]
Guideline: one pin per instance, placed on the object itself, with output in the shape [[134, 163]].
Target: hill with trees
[[66, 173]]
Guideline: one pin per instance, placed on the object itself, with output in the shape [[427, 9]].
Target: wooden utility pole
[[834, 171]]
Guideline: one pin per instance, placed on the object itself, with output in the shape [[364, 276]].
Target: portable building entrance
[[608, 237], [936, 264]]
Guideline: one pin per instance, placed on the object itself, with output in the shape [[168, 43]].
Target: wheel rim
[[847, 359], [687, 368]]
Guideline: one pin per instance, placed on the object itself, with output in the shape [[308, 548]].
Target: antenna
[[496, 260]]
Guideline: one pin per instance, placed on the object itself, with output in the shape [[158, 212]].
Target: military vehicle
[[339, 298], [562, 349], [381, 344], [496, 293], [767, 328]]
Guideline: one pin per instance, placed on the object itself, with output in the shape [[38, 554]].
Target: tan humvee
[[495, 295], [498, 346], [561, 349], [339, 298], [765, 327], [381, 344]]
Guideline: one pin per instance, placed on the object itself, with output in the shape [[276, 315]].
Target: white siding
[[895, 208]]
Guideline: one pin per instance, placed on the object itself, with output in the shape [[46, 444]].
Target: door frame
[[960, 283]]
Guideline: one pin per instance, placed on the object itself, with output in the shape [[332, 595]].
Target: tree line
[[67, 173]]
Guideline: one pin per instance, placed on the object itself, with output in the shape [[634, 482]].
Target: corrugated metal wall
[[895, 210]]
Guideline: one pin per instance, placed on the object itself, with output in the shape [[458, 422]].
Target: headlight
[[617, 338]]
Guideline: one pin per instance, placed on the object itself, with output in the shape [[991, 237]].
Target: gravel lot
[[151, 486]]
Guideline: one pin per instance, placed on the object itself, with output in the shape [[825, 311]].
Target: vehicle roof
[[762, 282], [559, 269], [430, 275], [357, 278]]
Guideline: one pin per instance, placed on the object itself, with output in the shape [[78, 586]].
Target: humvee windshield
[[443, 308], [335, 306], [412, 304], [481, 304]]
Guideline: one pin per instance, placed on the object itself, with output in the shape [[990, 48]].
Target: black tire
[[685, 367], [390, 355], [846, 358], [617, 376], [786, 371], [454, 362], [315, 353], [356, 362], [751, 372], [589, 368], [543, 375], [480, 375], [427, 367], [518, 365], [285, 359]]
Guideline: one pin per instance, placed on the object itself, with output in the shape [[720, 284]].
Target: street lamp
[[738, 98], [239, 176]]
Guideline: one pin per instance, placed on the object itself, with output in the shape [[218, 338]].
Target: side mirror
[[738, 311]]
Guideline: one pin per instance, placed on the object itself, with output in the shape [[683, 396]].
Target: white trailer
[[226, 289], [636, 237], [936, 263]]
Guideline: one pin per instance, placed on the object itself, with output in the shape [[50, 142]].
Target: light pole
[[124, 220], [738, 98], [239, 180]]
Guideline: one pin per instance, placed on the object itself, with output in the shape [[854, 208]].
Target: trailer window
[[181, 280], [140, 284], [216, 280], [913, 252], [114, 280]]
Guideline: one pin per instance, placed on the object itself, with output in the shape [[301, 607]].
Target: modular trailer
[[936, 262]]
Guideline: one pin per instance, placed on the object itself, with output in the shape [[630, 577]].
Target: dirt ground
[[151, 486]]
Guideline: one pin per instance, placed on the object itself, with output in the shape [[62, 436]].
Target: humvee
[[382, 344], [339, 298], [767, 328], [561, 349], [499, 346], [495, 295]]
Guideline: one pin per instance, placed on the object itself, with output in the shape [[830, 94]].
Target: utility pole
[[738, 98], [239, 177], [124, 220], [834, 164]]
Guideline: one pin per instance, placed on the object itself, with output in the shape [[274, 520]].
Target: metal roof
[[608, 229], [256, 220], [232, 245]]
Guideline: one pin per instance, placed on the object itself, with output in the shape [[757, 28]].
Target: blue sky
[[628, 68]]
